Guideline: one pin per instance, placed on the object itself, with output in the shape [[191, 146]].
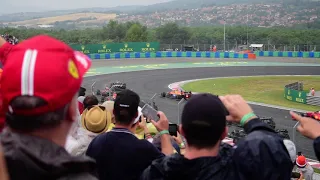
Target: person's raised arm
[[163, 128], [262, 153], [309, 128]]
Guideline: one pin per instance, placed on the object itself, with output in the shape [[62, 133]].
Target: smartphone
[[173, 130], [149, 112]]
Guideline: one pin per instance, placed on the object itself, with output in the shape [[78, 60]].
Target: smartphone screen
[[173, 130], [149, 112]]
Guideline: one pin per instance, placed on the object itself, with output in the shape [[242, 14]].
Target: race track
[[149, 82]]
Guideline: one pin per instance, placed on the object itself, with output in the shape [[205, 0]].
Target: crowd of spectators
[[60, 133], [10, 39]]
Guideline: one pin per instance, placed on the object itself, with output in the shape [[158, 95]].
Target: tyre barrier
[[287, 54], [174, 54]]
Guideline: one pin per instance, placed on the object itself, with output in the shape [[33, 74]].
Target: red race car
[[315, 115]]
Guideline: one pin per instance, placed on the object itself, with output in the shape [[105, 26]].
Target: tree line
[[172, 33]]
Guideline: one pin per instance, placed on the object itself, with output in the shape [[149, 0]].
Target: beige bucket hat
[[97, 119]]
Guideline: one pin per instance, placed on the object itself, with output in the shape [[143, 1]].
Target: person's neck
[[128, 127], [193, 153], [55, 135]]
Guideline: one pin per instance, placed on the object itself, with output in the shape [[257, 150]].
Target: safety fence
[[172, 54], [294, 92], [287, 54]]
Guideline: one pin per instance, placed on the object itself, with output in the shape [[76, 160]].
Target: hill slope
[[80, 17]]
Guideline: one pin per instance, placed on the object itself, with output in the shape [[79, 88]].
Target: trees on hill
[[173, 34]]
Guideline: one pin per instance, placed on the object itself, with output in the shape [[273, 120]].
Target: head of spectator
[[301, 161], [126, 110], [96, 119], [203, 124], [109, 107], [90, 100], [82, 91], [33, 98]]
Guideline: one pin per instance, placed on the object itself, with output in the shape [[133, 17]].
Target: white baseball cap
[[139, 114]]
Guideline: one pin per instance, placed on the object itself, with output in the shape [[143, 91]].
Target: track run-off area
[[150, 76]]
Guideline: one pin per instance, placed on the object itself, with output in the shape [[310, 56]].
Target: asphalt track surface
[[149, 82]]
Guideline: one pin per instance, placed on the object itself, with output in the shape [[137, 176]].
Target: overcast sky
[[13, 6]]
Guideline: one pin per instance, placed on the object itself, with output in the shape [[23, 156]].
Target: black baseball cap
[[204, 117], [126, 102]]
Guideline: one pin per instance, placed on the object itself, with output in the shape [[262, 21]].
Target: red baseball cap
[[301, 161], [43, 67]]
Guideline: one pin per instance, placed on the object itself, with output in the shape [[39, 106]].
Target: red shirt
[[81, 108]]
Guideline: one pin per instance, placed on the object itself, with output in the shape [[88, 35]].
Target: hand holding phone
[[173, 130], [150, 113]]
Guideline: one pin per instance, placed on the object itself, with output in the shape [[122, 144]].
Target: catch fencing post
[[182, 100], [294, 132], [92, 88], [153, 97]]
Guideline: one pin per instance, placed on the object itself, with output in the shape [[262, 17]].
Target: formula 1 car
[[315, 115], [176, 94], [109, 93]]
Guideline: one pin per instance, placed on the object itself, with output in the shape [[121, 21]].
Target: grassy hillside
[[83, 17]]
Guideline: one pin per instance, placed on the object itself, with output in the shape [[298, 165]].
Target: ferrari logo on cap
[[72, 68]]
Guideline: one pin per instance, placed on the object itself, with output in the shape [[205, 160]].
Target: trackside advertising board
[[117, 47], [295, 95]]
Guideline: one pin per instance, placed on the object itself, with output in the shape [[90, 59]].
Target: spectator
[[82, 93], [39, 112], [312, 92], [119, 153], [304, 168], [157, 143], [262, 154], [95, 120], [204, 128], [5, 48], [90, 100], [256, 157], [309, 128], [109, 107], [2, 114]]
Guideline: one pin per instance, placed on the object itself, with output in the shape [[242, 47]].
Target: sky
[[14, 6]]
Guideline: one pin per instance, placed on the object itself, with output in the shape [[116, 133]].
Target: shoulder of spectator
[[4, 51], [316, 146], [257, 125], [81, 176], [262, 146], [149, 147]]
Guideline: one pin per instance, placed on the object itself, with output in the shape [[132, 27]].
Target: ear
[[224, 133], [181, 132], [73, 111]]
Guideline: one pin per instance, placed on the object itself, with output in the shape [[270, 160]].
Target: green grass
[[263, 89], [316, 170]]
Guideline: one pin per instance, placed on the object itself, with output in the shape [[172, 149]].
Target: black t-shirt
[[120, 155]]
